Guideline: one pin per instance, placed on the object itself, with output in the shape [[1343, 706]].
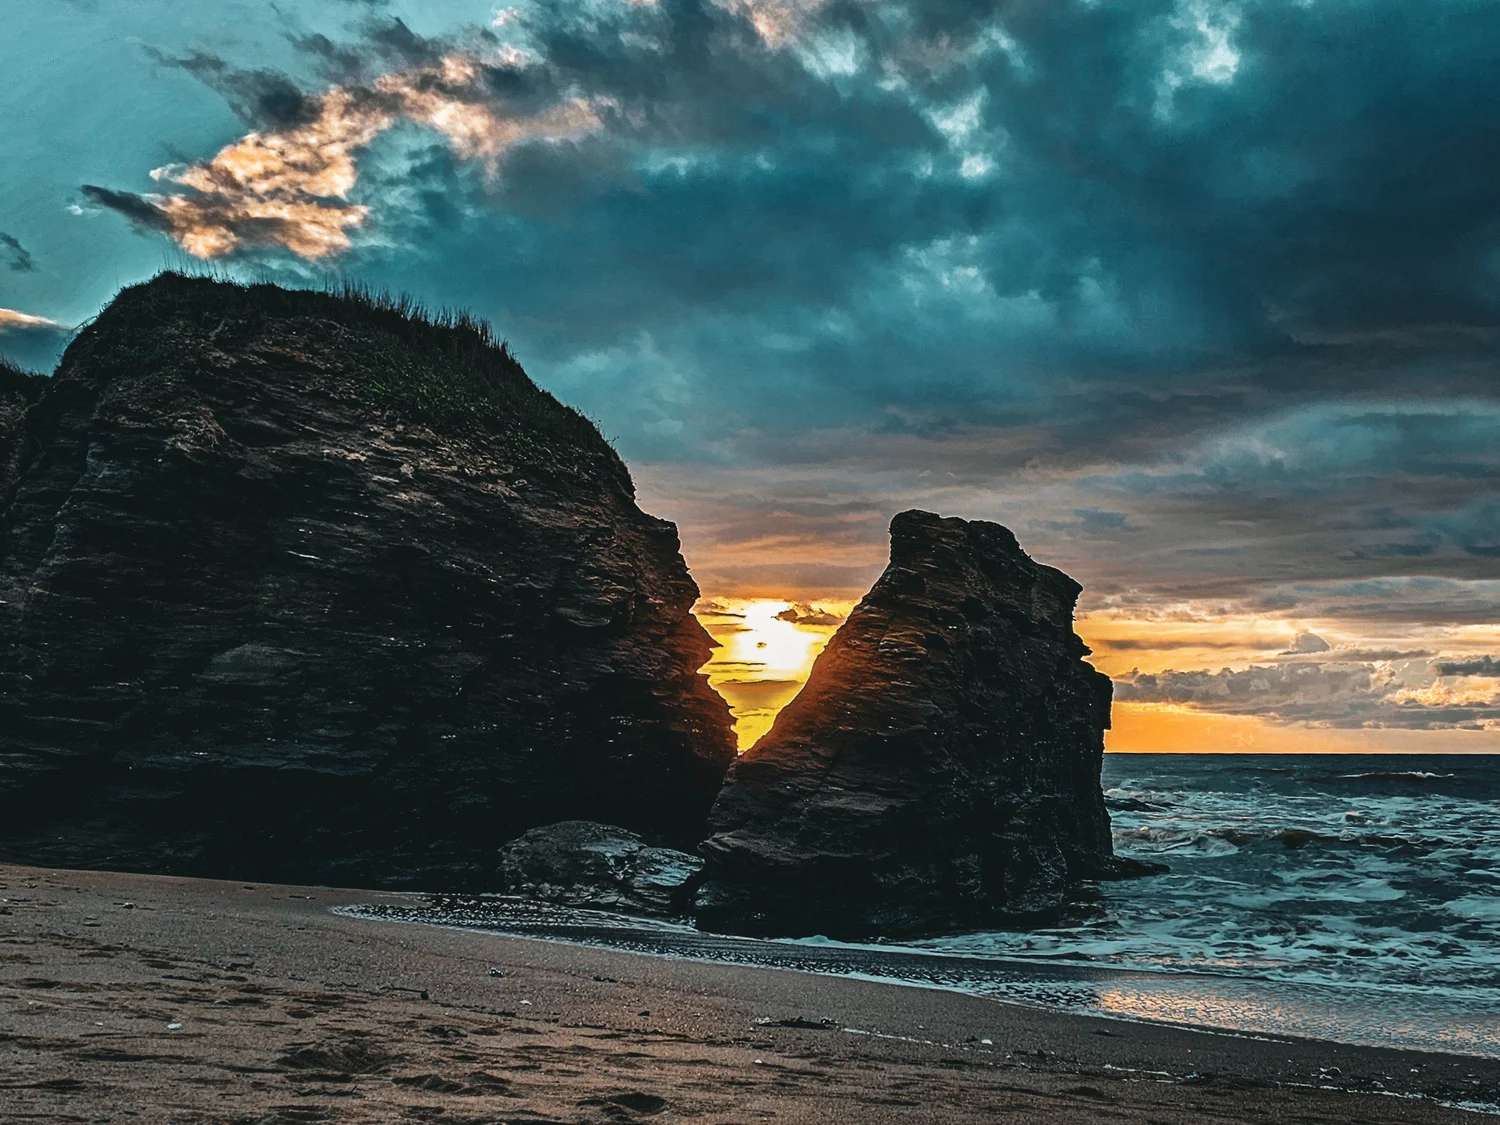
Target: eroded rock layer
[[18, 391], [298, 586], [941, 767]]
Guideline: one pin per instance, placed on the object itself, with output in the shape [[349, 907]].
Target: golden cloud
[[1465, 693], [777, 22], [290, 188], [11, 320]]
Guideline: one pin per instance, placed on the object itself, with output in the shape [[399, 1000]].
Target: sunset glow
[[1165, 728], [763, 660], [290, 188]]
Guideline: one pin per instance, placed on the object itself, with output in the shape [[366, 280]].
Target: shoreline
[[1192, 999], [125, 996]]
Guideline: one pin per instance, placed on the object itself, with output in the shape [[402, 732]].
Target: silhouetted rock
[[581, 863], [303, 587], [940, 768], [18, 391]]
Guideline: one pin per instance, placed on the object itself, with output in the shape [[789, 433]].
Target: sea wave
[[1335, 871], [1161, 839]]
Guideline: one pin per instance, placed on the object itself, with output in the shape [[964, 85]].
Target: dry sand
[[149, 999]]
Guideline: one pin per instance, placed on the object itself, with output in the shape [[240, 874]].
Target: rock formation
[[305, 587], [18, 391], [941, 767], [580, 863]]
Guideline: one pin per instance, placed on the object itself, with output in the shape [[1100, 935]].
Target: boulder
[[599, 866], [941, 767], [309, 587]]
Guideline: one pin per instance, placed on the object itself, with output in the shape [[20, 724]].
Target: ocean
[[1346, 897], [1341, 897]]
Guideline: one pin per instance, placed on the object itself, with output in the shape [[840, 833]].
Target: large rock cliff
[[941, 767], [306, 587]]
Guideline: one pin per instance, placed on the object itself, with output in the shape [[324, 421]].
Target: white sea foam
[[1305, 870]]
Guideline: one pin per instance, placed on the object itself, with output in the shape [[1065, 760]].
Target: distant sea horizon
[[1384, 753]]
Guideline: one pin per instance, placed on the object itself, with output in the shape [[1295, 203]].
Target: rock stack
[[941, 767]]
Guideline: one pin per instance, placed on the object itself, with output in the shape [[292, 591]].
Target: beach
[[146, 998]]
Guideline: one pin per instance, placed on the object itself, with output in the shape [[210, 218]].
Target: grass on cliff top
[[446, 368], [14, 372], [14, 377]]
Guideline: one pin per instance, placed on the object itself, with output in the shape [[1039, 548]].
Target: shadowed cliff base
[[309, 586]]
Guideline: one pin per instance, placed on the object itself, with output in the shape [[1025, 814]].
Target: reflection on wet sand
[[1436, 1020]]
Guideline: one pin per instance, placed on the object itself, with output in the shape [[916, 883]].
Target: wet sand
[[141, 998]]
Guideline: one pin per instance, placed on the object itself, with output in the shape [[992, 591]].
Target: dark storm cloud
[[1478, 666], [1149, 644], [1094, 522], [1376, 489], [1362, 656], [133, 206], [1118, 198], [1171, 189], [14, 255], [260, 98], [801, 613], [1337, 695], [395, 42], [1204, 298], [1394, 600]]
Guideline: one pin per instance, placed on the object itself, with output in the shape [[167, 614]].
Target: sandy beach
[[142, 998]]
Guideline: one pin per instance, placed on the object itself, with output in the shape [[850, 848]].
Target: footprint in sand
[[630, 1104]]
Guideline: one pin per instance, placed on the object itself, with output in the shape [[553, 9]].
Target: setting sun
[[766, 650]]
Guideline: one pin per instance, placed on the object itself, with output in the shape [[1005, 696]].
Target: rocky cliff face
[[304, 587], [941, 767], [18, 391]]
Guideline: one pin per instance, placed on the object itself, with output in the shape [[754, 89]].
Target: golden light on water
[[763, 660]]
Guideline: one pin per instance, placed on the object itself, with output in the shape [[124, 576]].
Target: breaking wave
[[1338, 872]]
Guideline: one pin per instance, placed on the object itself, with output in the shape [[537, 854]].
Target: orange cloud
[[474, 130], [777, 22], [1465, 693], [10, 320], [290, 188]]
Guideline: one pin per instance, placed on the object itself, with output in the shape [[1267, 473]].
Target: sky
[[1200, 298]]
